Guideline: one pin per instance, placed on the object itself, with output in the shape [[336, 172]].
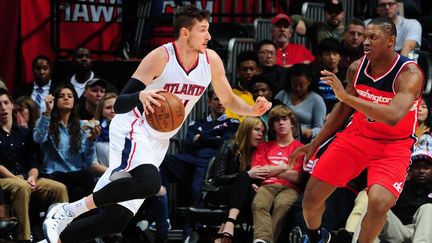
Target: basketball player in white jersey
[[185, 68]]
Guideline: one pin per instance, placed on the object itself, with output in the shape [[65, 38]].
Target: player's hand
[[306, 150], [149, 97], [301, 27], [49, 103], [331, 79], [261, 106]]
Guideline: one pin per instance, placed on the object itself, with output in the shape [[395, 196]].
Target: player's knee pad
[[147, 175]]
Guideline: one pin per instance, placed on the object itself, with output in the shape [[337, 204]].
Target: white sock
[[76, 208]]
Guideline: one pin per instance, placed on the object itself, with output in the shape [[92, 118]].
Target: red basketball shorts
[[348, 155]]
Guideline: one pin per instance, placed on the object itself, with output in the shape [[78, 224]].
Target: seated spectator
[[26, 112], [288, 54], [231, 180], [104, 114], [82, 64], [423, 132], [93, 93], [329, 52], [333, 25], [308, 106], [19, 171], [409, 219], [42, 85], [261, 86], [247, 67], [204, 138], [279, 190], [409, 31], [68, 147], [268, 67], [7, 223], [352, 43]]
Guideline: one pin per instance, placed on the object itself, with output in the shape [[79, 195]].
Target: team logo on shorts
[[398, 186]]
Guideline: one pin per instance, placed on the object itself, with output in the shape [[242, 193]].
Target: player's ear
[[392, 41], [184, 32]]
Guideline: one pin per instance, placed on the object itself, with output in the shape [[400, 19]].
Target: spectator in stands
[[7, 223], [352, 43], [247, 67], [333, 25], [409, 31], [104, 114], [68, 147], [268, 67], [308, 106], [423, 132], [42, 85], [203, 139], [19, 170], [409, 219], [287, 54], [26, 112], [94, 90], [279, 190], [82, 63], [231, 180], [329, 52], [261, 86]]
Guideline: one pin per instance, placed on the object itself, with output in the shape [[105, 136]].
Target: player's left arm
[[408, 87], [224, 91]]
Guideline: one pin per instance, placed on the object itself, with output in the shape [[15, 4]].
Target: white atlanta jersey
[[132, 141]]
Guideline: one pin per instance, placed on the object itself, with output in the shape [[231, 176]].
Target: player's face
[[354, 36], [94, 94], [281, 32], [377, 42], [108, 109], [65, 100], [261, 89], [267, 55], [387, 8], [42, 71], [199, 36], [257, 135], [247, 70], [6, 108], [423, 112], [216, 106], [330, 59], [282, 125]]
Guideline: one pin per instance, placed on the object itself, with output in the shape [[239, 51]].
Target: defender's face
[[377, 42]]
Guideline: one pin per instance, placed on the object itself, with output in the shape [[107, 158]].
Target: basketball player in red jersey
[[185, 68], [380, 106]]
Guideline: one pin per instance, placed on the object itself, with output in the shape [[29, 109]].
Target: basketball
[[169, 116]]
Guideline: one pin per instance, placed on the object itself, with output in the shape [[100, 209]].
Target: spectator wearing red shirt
[[288, 54]]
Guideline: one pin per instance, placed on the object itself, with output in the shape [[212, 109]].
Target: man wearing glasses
[[409, 31]]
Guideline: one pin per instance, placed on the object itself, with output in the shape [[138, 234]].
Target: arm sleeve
[[129, 96]]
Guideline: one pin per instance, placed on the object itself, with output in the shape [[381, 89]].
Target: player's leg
[[380, 200], [112, 219]]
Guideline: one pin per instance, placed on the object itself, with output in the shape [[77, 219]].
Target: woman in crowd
[[308, 106], [423, 131], [68, 147], [27, 112], [104, 114], [231, 181]]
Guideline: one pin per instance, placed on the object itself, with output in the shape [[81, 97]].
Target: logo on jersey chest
[[185, 89]]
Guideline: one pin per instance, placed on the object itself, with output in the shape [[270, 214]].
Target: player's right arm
[[335, 120], [134, 91]]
